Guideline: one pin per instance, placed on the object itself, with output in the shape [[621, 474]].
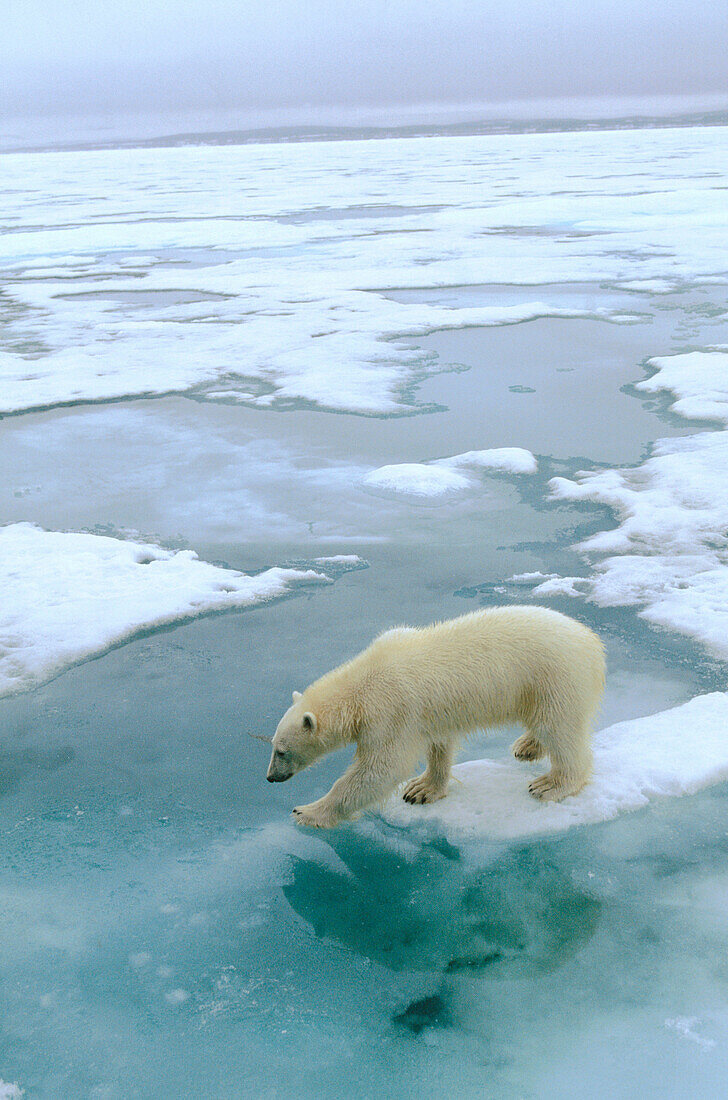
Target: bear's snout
[[279, 770]]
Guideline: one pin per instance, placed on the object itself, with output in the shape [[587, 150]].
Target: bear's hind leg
[[528, 747], [432, 784], [571, 764]]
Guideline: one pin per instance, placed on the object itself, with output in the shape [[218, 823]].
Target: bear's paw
[[420, 790], [527, 747], [315, 816]]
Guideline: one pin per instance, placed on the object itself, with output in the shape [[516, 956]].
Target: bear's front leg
[[363, 784]]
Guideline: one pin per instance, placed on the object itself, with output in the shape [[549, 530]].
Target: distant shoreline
[[291, 134]]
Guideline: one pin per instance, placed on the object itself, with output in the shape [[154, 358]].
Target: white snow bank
[[669, 554], [68, 597], [445, 476], [675, 752]]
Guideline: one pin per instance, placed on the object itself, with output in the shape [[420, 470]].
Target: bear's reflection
[[435, 911]]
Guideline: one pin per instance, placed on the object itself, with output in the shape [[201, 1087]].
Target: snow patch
[[417, 480], [71, 596], [352, 560], [445, 477], [528, 579], [648, 286], [699, 379], [512, 460]]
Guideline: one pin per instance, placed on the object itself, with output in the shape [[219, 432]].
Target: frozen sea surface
[[231, 365], [260, 273]]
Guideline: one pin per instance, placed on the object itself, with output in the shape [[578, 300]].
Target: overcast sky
[[70, 56]]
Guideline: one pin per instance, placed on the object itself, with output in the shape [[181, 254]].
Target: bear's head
[[296, 743]]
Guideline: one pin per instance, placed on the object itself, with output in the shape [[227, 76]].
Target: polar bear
[[416, 693]]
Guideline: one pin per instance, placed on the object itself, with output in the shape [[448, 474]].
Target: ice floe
[[649, 286], [676, 752], [512, 460], [669, 554], [444, 477], [417, 480], [699, 379], [71, 596], [343, 352]]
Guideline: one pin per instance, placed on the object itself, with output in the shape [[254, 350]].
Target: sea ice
[[512, 460], [352, 560], [676, 752], [344, 351], [649, 286], [261, 274], [698, 378], [669, 553], [262, 271], [417, 480], [70, 596]]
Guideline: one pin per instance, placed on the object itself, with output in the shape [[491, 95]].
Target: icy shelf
[[675, 752], [261, 273]]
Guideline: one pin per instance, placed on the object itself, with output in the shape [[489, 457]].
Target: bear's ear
[[309, 721], [296, 696]]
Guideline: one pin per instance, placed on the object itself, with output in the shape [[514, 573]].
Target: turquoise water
[[167, 931]]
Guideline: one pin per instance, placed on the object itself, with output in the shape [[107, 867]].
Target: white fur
[[416, 692]]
